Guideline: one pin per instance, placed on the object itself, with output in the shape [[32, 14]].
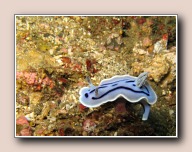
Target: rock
[[45, 111], [139, 49], [22, 99], [35, 97], [120, 107], [30, 116], [147, 42], [34, 59], [171, 112], [158, 68], [161, 45], [89, 125]]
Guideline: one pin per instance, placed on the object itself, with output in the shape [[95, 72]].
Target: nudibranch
[[133, 89]]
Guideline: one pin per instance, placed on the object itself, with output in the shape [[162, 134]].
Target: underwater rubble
[[54, 55]]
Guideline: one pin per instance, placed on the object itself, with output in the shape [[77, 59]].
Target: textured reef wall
[[54, 54]]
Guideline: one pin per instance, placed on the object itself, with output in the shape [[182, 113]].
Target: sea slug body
[[133, 89]]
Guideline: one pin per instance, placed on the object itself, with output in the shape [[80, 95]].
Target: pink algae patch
[[82, 107], [25, 128], [32, 78], [22, 121], [25, 132]]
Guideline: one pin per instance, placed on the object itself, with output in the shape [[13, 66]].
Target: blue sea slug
[[133, 89]]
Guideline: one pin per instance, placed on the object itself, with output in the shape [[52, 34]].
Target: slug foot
[[146, 108]]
